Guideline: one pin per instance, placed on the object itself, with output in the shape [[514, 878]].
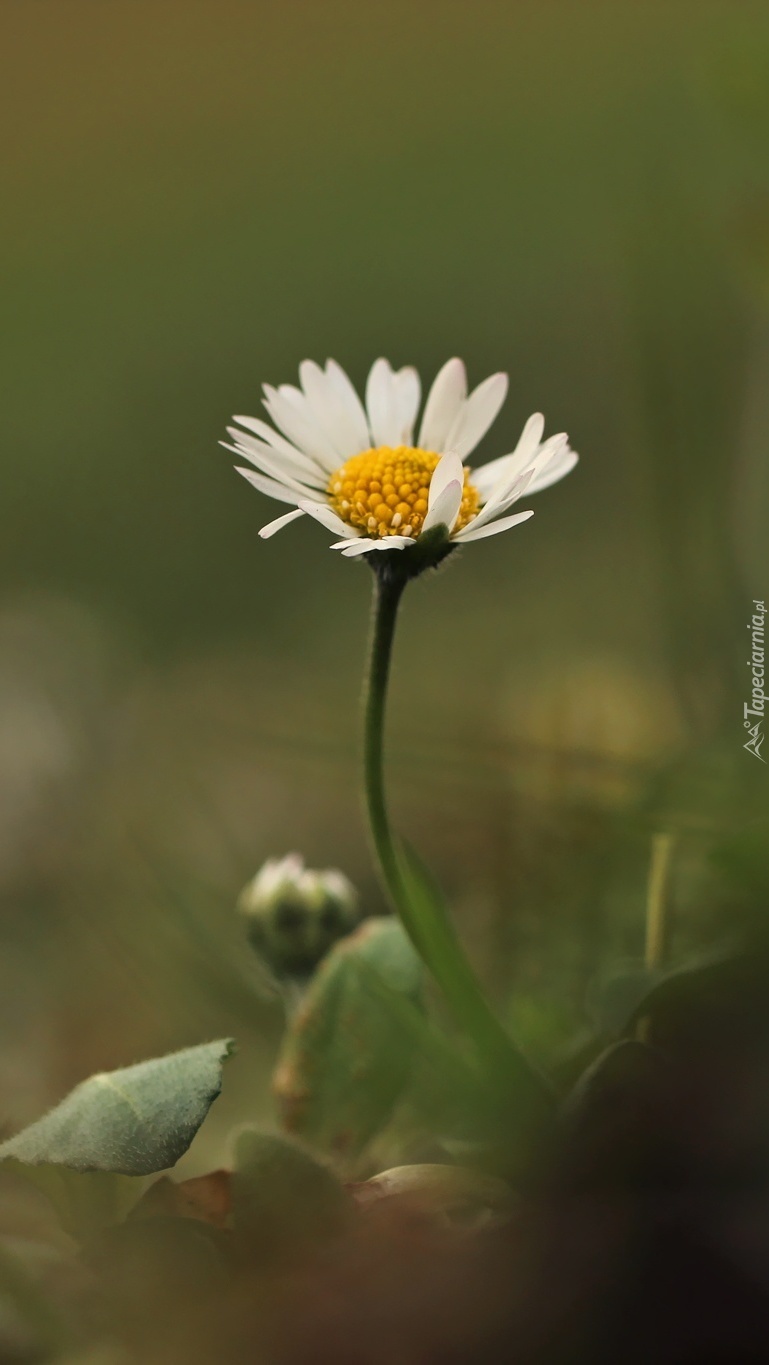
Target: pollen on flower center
[[384, 492]]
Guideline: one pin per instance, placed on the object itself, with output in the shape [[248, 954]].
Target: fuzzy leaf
[[151, 1271], [85, 1202], [283, 1199], [348, 1053], [135, 1121]]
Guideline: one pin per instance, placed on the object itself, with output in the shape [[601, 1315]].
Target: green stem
[[387, 596], [426, 923], [657, 907], [657, 912]]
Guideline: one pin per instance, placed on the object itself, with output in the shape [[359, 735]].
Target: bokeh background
[[198, 195]]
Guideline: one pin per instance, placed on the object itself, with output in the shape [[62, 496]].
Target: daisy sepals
[[416, 900]]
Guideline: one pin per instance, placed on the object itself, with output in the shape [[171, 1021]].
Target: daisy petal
[[477, 414], [503, 498], [269, 487], [445, 508], [323, 513], [381, 403], [367, 546], [449, 469], [331, 409], [275, 471], [557, 468], [273, 438], [273, 462], [324, 405], [290, 411], [354, 548], [355, 409], [492, 529], [444, 402], [549, 452], [278, 524], [487, 475], [407, 394], [395, 542]]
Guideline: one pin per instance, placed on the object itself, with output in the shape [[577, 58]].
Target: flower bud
[[295, 914]]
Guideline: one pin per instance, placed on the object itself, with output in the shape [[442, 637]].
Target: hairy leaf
[[348, 1052], [283, 1199], [135, 1121], [89, 1155]]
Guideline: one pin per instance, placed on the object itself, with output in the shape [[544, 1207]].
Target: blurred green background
[[197, 196]]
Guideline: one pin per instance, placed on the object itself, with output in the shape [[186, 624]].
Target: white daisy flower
[[359, 472]]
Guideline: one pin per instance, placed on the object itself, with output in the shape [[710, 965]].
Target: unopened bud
[[295, 914]]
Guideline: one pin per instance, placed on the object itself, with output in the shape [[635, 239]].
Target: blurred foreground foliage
[[647, 1184], [580, 195]]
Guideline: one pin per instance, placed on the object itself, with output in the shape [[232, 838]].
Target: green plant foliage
[[155, 1266], [614, 996], [89, 1154], [524, 1103], [611, 1121], [28, 1307], [134, 1121], [348, 1053], [85, 1201], [743, 860], [284, 1201], [726, 985], [604, 1081]]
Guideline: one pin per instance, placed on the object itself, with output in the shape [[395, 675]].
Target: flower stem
[[657, 913], [419, 907], [657, 910]]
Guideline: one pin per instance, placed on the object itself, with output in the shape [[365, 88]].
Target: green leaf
[[725, 984], [527, 1094], [135, 1121], [743, 862], [151, 1271], [86, 1154], [26, 1300], [449, 1096], [614, 996], [85, 1201], [283, 1200], [348, 1052], [615, 1070], [611, 1121]]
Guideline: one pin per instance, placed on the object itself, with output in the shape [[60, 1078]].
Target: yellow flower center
[[384, 491]]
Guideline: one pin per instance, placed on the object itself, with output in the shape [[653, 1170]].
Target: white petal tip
[[273, 527], [492, 528]]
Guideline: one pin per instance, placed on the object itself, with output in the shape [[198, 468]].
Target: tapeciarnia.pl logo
[[753, 711]]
